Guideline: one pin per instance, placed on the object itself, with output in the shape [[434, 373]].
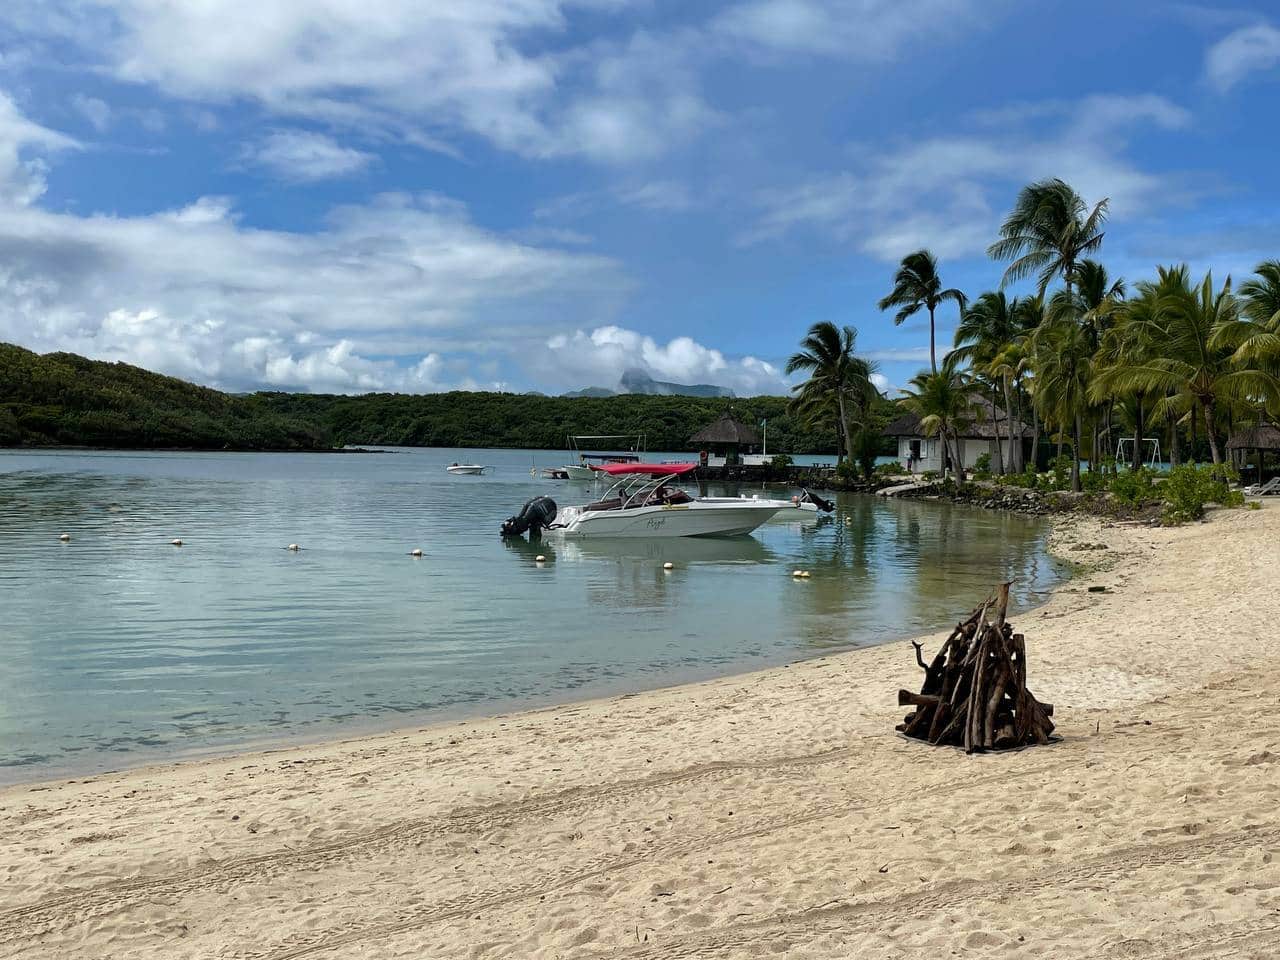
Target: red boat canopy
[[652, 469]]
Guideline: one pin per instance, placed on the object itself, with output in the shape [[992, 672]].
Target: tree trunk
[[844, 428], [995, 429], [1111, 409], [1035, 438], [933, 352], [1075, 457], [1137, 435], [1015, 450], [1207, 406], [1195, 439], [1175, 453]]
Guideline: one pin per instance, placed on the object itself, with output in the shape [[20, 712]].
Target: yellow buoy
[[294, 547], [64, 537], [176, 542], [668, 565], [415, 552], [797, 573]]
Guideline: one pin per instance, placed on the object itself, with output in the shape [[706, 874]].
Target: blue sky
[[351, 195]]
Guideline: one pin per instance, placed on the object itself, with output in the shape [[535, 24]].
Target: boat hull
[[702, 518], [577, 472], [466, 470]]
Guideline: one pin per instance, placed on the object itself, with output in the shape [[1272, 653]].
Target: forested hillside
[[530, 421], [60, 398]]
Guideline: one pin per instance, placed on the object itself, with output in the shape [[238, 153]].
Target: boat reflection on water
[[676, 550]]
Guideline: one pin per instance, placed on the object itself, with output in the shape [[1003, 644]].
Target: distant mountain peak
[[636, 381]]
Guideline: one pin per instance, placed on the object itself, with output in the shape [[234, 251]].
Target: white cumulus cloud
[[948, 192], [599, 357], [1240, 53], [402, 292], [305, 156]]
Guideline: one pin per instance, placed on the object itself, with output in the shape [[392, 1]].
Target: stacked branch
[[975, 690]]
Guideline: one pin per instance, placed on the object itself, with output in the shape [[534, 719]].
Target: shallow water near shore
[[120, 649]]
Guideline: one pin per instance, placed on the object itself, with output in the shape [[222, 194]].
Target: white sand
[[770, 814]]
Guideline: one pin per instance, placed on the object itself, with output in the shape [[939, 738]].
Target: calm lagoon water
[[118, 649]]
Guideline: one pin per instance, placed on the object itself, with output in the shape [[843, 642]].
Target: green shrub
[[1094, 482], [929, 475], [780, 461], [1060, 472], [893, 468], [1189, 487], [982, 464], [1134, 487]]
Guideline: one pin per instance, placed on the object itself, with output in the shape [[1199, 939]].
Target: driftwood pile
[[975, 691]]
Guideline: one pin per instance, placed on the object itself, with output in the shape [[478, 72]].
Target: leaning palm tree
[[838, 377], [1048, 232], [944, 403], [917, 286]]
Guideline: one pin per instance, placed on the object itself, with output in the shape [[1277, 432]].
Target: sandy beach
[[771, 814]]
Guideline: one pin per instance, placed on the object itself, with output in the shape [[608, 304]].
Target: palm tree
[[1183, 363], [1047, 233], [917, 285], [986, 328], [1254, 336], [1260, 297], [1063, 367], [838, 377], [944, 403]]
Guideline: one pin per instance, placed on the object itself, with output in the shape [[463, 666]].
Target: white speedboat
[[472, 469], [644, 502]]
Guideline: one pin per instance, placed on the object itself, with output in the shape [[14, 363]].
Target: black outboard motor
[[534, 516], [826, 506]]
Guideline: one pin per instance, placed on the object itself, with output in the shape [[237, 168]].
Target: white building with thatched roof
[[919, 452]]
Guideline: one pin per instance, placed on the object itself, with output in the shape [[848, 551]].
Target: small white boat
[[472, 469], [645, 503], [586, 469]]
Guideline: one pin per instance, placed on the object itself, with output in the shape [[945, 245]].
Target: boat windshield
[[641, 491]]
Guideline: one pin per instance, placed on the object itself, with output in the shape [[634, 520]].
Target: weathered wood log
[[907, 698]]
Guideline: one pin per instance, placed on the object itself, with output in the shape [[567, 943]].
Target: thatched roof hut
[[1264, 436], [727, 431]]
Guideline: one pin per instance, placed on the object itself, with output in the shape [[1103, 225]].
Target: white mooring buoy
[[64, 537], [176, 542], [539, 559], [415, 552], [294, 547], [797, 573], [804, 574], [668, 565]]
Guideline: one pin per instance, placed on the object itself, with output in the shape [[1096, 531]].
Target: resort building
[[919, 453]]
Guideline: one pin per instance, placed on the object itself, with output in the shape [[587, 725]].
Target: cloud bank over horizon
[[543, 194]]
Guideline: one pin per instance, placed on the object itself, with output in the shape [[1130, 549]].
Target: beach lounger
[[1272, 486]]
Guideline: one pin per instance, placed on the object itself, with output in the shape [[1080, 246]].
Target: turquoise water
[[119, 649]]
